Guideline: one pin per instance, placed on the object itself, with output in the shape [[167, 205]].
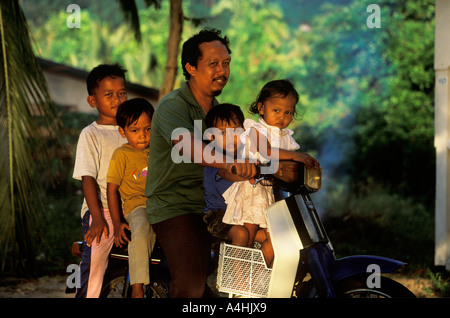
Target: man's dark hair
[[130, 111], [225, 112], [100, 72], [191, 52]]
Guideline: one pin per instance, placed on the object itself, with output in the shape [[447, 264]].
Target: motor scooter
[[116, 281], [305, 265]]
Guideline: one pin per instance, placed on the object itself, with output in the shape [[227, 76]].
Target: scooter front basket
[[242, 271]]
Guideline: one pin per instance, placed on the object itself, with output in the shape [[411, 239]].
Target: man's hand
[[245, 170]]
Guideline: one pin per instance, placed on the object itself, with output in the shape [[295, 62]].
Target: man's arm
[[187, 145]]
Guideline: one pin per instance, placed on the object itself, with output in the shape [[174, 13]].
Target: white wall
[[442, 134], [72, 92]]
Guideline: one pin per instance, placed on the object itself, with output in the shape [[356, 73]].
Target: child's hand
[[97, 228], [309, 161], [120, 237]]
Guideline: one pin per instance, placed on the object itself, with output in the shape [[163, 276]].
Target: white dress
[[246, 203]]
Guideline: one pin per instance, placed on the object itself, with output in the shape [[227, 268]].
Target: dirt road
[[54, 287], [43, 287]]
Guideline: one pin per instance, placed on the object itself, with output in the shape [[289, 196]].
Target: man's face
[[213, 68]]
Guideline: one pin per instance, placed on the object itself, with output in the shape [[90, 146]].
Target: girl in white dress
[[266, 139]]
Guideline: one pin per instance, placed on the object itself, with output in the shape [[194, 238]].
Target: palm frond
[[26, 115]]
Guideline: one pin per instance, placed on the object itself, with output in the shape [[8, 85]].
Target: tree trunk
[[173, 44]]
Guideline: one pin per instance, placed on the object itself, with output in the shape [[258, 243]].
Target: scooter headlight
[[312, 178], [295, 176]]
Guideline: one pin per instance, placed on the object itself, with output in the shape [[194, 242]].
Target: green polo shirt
[[173, 189]]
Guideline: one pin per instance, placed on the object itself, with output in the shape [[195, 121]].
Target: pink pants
[[94, 260]]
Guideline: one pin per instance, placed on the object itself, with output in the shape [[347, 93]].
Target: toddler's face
[[138, 133], [278, 111], [229, 136]]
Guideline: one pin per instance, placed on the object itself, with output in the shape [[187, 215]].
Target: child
[[97, 141], [126, 179], [268, 137], [228, 119]]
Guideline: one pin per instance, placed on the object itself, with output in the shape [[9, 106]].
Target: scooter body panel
[[293, 227], [287, 245], [359, 264]]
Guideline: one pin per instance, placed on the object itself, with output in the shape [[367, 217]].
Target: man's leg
[[186, 245]]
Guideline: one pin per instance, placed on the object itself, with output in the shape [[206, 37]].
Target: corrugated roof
[[67, 70]]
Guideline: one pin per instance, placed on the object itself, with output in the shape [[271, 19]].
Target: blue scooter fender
[[359, 264]]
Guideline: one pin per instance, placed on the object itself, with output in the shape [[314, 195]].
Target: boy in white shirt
[[97, 142]]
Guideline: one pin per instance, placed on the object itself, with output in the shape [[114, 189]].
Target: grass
[[63, 226], [380, 223], [441, 281], [375, 222]]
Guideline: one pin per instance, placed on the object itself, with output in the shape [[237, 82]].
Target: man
[[175, 192]]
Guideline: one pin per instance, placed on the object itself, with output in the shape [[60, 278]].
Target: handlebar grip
[[234, 170]]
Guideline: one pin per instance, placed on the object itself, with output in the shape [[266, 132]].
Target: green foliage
[[27, 114], [97, 41], [379, 223], [399, 128], [262, 53], [62, 227], [441, 281], [371, 94], [374, 90], [63, 194], [57, 171], [81, 47]]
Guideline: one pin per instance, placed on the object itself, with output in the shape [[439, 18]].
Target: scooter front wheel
[[357, 287], [115, 289]]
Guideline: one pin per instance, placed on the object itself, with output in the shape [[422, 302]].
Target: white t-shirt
[[96, 145]]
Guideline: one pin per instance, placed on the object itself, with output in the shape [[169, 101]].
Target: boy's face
[[228, 141], [107, 97], [138, 133]]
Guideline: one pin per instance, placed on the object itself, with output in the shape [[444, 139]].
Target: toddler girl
[[266, 139]]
